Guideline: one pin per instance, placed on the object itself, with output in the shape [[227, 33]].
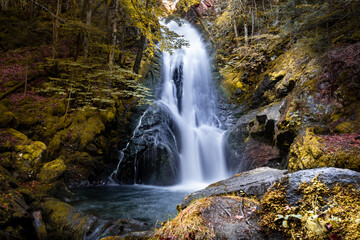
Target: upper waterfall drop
[[178, 139], [188, 94]]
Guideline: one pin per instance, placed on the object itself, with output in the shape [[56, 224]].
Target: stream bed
[[144, 203]]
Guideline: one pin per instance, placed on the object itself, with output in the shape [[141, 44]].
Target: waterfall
[[189, 96], [179, 138]]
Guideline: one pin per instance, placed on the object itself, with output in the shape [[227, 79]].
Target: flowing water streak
[[121, 153], [189, 95]]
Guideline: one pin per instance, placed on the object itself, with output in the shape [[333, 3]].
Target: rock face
[[254, 182], [152, 154], [205, 7], [251, 140]]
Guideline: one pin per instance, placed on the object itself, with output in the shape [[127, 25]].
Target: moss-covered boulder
[[63, 221], [313, 204], [220, 217], [51, 171], [312, 151], [7, 118], [22, 155], [78, 130]]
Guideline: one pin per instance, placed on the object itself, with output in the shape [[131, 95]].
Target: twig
[[242, 212], [225, 210]]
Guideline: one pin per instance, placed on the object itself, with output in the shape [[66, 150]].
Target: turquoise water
[[144, 203]]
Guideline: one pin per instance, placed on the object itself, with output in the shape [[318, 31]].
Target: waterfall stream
[[189, 96], [179, 139]]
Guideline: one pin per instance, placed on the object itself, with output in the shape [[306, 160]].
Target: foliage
[[91, 86]]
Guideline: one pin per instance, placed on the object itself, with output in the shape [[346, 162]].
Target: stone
[[51, 171], [329, 175], [255, 182]]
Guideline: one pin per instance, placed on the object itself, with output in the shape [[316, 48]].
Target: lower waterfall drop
[[189, 96]]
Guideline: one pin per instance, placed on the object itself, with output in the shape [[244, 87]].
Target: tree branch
[[47, 10]]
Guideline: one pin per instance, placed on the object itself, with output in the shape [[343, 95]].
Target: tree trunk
[[235, 25], [113, 35], [246, 33], [56, 29], [87, 5], [139, 55], [252, 21]]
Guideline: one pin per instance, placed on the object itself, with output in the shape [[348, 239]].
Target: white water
[[201, 153]]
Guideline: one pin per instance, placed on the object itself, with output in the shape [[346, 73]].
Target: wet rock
[[151, 157], [63, 221], [127, 228], [39, 225], [254, 182]]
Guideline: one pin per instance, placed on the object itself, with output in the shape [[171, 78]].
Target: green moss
[[7, 118], [63, 221], [312, 151], [52, 171], [24, 156], [319, 206], [93, 127]]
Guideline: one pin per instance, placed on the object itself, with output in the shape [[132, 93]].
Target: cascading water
[[179, 140], [189, 96], [176, 140]]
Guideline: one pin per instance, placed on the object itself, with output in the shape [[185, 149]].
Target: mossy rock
[[51, 171], [80, 129], [322, 208], [218, 217], [312, 151], [93, 127], [7, 118], [25, 155], [63, 221]]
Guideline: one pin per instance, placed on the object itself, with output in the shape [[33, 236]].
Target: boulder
[[329, 175], [21, 154], [218, 217], [255, 182], [51, 171]]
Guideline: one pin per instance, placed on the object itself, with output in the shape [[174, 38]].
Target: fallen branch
[[17, 87], [225, 210], [242, 211]]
